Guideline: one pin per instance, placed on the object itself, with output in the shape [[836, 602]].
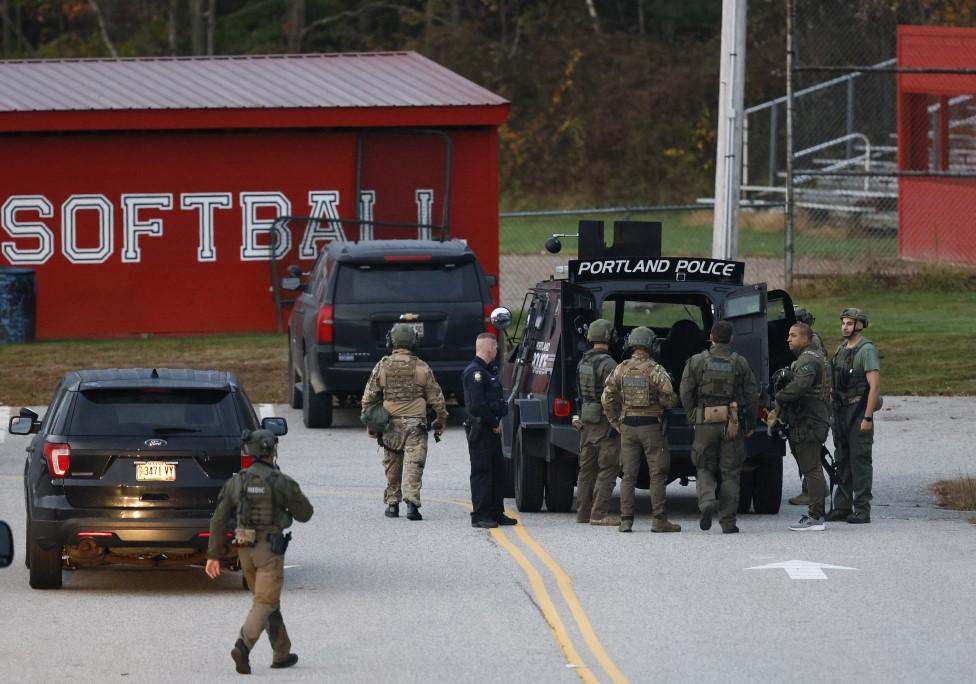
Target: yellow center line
[[542, 595], [548, 608], [579, 615]]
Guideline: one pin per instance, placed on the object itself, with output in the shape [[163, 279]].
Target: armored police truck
[[630, 284]]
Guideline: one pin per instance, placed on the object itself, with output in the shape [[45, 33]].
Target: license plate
[[418, 328], [155, 471]]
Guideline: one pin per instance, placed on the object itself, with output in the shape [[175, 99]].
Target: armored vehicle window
[[155, 411], [743, 306], [407, 283], [651, 314]]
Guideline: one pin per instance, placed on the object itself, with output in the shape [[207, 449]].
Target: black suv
[[356, 292], [127, 464]]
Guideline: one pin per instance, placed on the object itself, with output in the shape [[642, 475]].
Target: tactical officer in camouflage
[[856, 372], [718, 390], [804, 402], [634, 399], [263, 501], [406, 386], [816, 342], [599, 459]]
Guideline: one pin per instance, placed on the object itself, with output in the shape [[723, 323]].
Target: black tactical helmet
[[259, 443], [600, 330], [803, 316], [855, 314], [641, 336], [402, 336]]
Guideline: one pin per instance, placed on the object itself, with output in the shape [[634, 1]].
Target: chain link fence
[[868, 194], [862, 199]]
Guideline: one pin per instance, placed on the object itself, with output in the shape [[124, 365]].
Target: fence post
[[788, 251]]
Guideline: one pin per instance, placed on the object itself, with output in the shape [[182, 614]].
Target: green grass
[[30, 372], [689, 233], [923, 337]]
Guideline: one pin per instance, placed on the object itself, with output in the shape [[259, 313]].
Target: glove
[[577, 423], [772, 418]]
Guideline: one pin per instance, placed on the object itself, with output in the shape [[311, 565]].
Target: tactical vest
[[821, 389], [638, 391], [846, 381], [401, 378], [256, 501], [589, 379], [717, 383]]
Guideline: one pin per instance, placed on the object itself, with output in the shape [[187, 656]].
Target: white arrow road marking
[[4, 419], [802, 570]]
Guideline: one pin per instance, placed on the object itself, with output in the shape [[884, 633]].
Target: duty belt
[[638, 421]]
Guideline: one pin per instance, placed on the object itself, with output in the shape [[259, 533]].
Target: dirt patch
[[959, 494]]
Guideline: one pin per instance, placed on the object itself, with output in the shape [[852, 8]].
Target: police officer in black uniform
[[486, 406]]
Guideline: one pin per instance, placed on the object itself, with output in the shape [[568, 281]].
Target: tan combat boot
[[607, 521], [626, 525], [665, 526]]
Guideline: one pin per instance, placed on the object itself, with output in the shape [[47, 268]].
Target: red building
[[935, 213], [144, 192]]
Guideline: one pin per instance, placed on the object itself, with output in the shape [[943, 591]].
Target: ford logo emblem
[[155, 442]]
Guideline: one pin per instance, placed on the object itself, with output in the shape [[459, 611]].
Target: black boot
[[412, 512], [392, 511], [240, 653], [287, 662]]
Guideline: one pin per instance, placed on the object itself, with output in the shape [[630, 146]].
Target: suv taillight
[[325, 323], [489, 328], [58, 457], [246, 461], [561, 407]]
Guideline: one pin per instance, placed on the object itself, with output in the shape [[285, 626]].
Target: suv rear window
[[407, 283], [154, 411]]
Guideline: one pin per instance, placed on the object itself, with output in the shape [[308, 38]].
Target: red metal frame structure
[[144, 191], [934, 208]]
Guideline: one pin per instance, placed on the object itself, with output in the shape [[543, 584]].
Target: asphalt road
[[371, 599]]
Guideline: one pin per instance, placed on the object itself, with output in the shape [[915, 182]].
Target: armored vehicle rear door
[[745, 309]]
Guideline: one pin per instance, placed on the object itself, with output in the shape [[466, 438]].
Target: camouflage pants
[[404, 460], [599, 462], [713, 456], [265, 574], [637, 443]]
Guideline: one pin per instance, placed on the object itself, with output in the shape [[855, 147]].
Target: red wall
[[169, 289], [935, 217]]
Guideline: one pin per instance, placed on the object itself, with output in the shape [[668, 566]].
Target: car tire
[[316, 406], [27, 544], [561, 481], [530, 470], [295, 383], [746, 482], [767, 486], [45, 568]]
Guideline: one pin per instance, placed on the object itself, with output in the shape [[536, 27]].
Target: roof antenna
[[154, 375]]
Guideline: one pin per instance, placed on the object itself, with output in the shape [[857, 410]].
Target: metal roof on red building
[[320, 82]]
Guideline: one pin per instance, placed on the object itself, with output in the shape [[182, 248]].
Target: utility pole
[[728, 156]]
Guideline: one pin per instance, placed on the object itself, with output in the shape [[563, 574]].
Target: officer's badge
[[477, 376]]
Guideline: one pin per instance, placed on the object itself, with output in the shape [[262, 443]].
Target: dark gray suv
[[126, 467], [356, 292]]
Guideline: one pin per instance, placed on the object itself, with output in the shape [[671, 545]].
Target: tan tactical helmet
[[600, 330], [403, 336], [855, 314], [641, 336]]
